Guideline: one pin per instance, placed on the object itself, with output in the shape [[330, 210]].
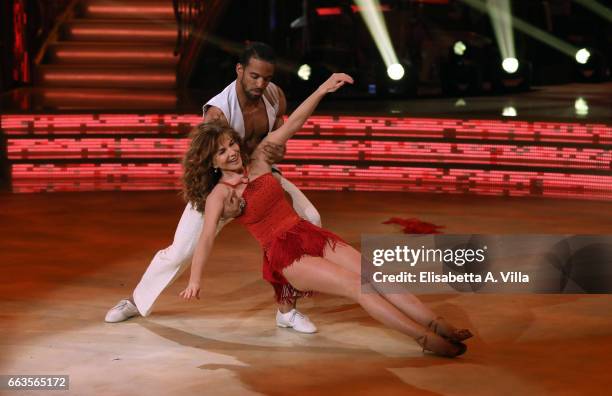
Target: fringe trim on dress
[[303, 239]]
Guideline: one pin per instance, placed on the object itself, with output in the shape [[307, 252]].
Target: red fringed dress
[[283, 235]]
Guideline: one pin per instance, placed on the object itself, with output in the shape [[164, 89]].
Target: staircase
[[113, 46]]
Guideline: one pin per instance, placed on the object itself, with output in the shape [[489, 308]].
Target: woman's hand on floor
[[191, 291]]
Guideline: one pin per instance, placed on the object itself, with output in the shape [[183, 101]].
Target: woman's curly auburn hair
[[199, 176]]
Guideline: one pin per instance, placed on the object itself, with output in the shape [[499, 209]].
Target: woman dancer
[[298, 256]]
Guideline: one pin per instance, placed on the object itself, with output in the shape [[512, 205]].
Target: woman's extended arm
[[213, 211], [301, 114]]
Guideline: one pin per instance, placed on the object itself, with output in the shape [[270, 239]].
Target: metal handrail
[[51, 34]]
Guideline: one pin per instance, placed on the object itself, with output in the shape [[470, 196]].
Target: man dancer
[[252, 106]]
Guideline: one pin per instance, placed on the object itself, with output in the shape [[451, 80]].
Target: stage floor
[[68, 257]]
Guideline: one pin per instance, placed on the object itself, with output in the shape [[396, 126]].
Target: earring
[[216, 171]]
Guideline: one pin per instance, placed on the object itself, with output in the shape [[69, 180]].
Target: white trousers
[[169, 263]]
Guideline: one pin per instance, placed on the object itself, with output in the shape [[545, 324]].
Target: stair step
[[133, 9], [112, 53], [125, 30], [106, 77], [101, 98]]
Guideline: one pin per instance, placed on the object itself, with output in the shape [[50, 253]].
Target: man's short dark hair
[[257, 50]]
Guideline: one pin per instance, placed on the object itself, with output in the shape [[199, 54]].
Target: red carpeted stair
[[114, 44], [119, 30]]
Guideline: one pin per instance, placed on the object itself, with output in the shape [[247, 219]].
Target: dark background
[[422, 33]]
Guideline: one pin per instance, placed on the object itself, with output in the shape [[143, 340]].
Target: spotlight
[[304, 72], [395, 71], [371, 12], [459, 48], [514, 75], [581, 106], [582, 56], [510, 65], [397, 80], [592, 65], [509, 111], [462, 71]]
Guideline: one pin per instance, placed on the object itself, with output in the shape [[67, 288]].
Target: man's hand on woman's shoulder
[[273, 152], [233, 205]]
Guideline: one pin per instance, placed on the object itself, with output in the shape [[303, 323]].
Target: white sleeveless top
[[227, 102]]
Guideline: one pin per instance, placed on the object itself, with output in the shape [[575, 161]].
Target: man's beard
[[248, 93]]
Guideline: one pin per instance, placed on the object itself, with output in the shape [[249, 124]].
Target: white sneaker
[[124, 310], [296, 320]]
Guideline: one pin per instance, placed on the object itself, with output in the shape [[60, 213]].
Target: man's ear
[[239, 70]]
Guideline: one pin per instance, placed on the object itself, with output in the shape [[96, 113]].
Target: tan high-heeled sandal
[[441, 327], [440, 346]]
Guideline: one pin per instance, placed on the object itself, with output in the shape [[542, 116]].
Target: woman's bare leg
[[350, 259], [320, 274]]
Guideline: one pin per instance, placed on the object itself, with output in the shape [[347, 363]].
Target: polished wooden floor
[[67, 258]]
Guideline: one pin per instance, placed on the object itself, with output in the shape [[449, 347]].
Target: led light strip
[[128, 177], [80, 137], [333, 150]]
